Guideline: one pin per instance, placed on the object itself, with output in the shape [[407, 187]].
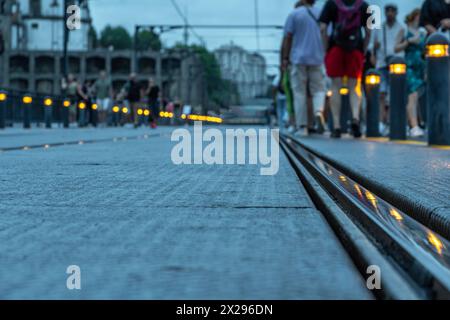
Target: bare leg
[[355, 100], [412, 109]]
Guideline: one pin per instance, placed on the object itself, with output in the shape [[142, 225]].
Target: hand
[[445, 23], [415, 40]]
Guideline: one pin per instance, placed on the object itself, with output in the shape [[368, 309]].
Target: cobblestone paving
[[140, 227]]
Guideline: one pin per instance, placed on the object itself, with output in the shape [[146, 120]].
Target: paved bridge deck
[[140, 227]]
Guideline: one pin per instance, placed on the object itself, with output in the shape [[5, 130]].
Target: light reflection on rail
[[394, 219]]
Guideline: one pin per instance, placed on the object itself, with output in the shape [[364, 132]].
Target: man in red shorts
[[346, 49]]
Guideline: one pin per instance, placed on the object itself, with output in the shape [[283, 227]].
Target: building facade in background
[[33, 37], [247, 70]]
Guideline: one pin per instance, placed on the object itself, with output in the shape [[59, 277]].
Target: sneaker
[[356, 129], [336, 134], [320, 123], [417, 132], [304, 132]]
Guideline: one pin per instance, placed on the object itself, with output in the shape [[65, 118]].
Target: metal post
[[65, 113], [346, 117], [48, 103], [82, 114], [438, 90], [27, 100], [373, 80], [94, 113], [3, 99], [398, 98]]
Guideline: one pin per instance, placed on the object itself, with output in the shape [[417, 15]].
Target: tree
[[221, 91], [117, 37], [148, 40]]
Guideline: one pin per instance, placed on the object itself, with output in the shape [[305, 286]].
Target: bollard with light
[[116, 115], [372, 81], [346, 116], [27, 100], [438, 101], [398, 98], [82, 114], [48, 103], [3, 99], [65, 112], [94, 114]]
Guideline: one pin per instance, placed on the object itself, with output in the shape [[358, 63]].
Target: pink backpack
[[347, 33]]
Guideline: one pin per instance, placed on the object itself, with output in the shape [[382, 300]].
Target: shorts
[[341, 63]]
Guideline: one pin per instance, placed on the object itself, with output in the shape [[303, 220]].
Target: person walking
[[132, 90], [435, 16], [303, 50], [153, 94], [279, 98], [346, 48], [412, 41], [384, 42], [103, 92]]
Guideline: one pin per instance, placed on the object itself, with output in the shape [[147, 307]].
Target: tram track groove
[[406, 273]]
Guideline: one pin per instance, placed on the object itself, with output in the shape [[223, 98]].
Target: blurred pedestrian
[[384, 41], [412, 41], [279, 100], [435, 16], [153, 94], [132, 91], [69, 86], [303, 50], [346, 49], [103, 92]]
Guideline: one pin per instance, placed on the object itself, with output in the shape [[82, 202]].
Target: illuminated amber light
[[116, 109], [125, 110], [358, 189], [82, 105], [373, 79], [372, 199], [397, 68], [435, 242], [140, 112], [183, 116], [343, 178], [27, 100], [344, 91], [329, 93], [437, 51], [396, 214], [3, 96], [161, 114], [48, 102], [146, 113], [66, 103], [94, 106]]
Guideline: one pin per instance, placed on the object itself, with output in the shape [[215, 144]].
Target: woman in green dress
[[412, 41]]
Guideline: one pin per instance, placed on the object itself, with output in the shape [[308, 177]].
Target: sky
[[128, 13]]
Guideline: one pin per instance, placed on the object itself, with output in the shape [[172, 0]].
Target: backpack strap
[[312, 15]]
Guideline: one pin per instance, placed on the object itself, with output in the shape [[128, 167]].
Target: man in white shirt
[[384, 41]]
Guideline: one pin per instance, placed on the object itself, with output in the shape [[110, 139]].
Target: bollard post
[[82, 114], [398, 99], [3, 99], [116, 115], [94, 113], [48, 103], [65, 112], [345, 109], [140, 114], [124, 116], [146, 117], [27, 100], [438, 90], [372, 81]]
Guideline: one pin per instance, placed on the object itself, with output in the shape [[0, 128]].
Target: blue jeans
[[281, 111]]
